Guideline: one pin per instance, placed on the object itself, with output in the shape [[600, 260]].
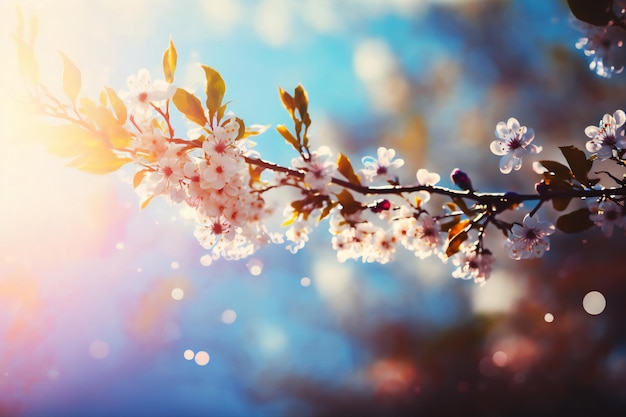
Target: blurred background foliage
[[99, 301]]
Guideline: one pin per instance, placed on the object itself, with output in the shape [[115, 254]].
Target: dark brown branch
[[495, 200]]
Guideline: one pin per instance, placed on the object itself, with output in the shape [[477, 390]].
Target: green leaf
[[255, 130], [139, 176], [287, 101], [70, 140], [285, 133], [460, 202], [579, 164], [118, 105], [242, 128], [557, 170], [326, 211], [71, 79], [454, 244], [27, 63], [458, 228], [34, 30], [190, 106], [301, 102], [575, 222], [345, 167], [145, 202], [348, 204], [215, 90], [558, 186], [99, 161], [445, 227], [169, 62]]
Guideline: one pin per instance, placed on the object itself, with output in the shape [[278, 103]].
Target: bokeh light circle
[[178, 294], [229, 316], [594, 303], [202, 358]]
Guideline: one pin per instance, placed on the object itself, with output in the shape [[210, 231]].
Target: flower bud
[[542, 188], [382, 205], [461, 180]]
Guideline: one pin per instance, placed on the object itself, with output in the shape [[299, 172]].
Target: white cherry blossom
[[144, 91], [473, 265], [607, 135], [382, 167], [425, 177], [210, 230], [606, 215], [530, 239], [514, 141], [318, 169]]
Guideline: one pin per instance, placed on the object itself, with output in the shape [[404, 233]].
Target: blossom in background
[[143, 92], [318, 169], [473, 265], [298, 233], [425, 177], [530, 239], [604, 46], [605, 136], [514, 141], [382, 167], [606, 215]]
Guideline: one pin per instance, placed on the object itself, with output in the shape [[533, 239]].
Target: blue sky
[[89, 324]]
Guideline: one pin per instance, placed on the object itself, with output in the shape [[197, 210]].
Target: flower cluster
[[604, 27], [213, 173]]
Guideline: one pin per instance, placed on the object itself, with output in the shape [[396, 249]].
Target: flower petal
[[620, 117], [498, 147], [506, 163], [513, 124], [517, 163], [591, 131], [502, 131]]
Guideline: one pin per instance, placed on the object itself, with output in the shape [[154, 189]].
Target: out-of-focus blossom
[[606, 136], [318, 169], [473, 265], [606, 215], [382, 167], [604, 46], [514, 141], [425, 177], [530, 239], [143, 92]]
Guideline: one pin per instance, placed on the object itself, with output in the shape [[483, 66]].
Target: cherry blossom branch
[[213, 171]]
